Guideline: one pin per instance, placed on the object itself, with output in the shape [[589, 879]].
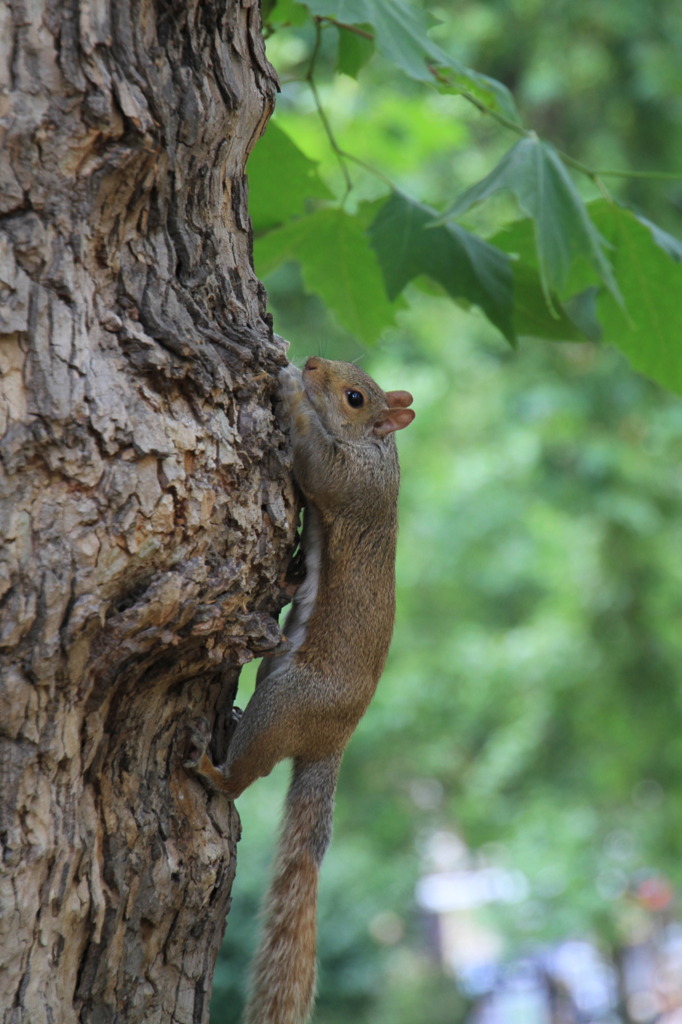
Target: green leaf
[[284, 12], [337, 263], [667, 242], [400, 30], [467, 267], [649, 330], [354, 52], [401, 35], [534, 173], [281, 180], [582, 310], [533, 316]]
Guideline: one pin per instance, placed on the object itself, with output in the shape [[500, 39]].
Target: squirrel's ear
[[393, 419], [399, 399]]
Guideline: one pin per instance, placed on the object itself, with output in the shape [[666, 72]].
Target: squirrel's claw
[[199, 734]]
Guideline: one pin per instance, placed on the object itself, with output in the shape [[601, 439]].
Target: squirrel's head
[[351, 404]]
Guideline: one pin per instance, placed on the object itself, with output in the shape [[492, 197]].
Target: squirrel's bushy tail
[[285, 967]]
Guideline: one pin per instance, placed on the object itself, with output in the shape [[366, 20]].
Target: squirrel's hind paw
[[198, 734]]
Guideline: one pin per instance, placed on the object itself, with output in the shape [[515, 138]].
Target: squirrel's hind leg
[[265, 734], [198, 761]]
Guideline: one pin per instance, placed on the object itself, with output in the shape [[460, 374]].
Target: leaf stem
[[355, 29], [310, 79], [506, 122], [370, 169], [654, 175]]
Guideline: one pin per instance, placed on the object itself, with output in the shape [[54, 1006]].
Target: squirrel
[[309, 699]]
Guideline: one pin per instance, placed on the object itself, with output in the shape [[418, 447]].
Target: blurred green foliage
[[532, 700], [395, 162]]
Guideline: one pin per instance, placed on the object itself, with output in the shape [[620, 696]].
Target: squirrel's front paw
[[199, 734], [290, 372], [290, 380]]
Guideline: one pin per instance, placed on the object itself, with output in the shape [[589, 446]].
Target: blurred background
[[508, 825]]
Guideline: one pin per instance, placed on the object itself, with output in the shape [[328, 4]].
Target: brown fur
[[308, 701], [284, 970]]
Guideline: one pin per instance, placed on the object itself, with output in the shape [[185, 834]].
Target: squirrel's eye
[[355, 398]]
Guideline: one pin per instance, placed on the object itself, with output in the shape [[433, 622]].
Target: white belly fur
[[296, 624]]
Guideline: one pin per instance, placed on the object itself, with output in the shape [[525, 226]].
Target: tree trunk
[[147, 506]]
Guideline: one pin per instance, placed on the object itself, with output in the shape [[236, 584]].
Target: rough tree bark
[[147, 507]]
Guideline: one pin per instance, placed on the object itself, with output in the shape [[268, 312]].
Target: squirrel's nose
[[312, 363]]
